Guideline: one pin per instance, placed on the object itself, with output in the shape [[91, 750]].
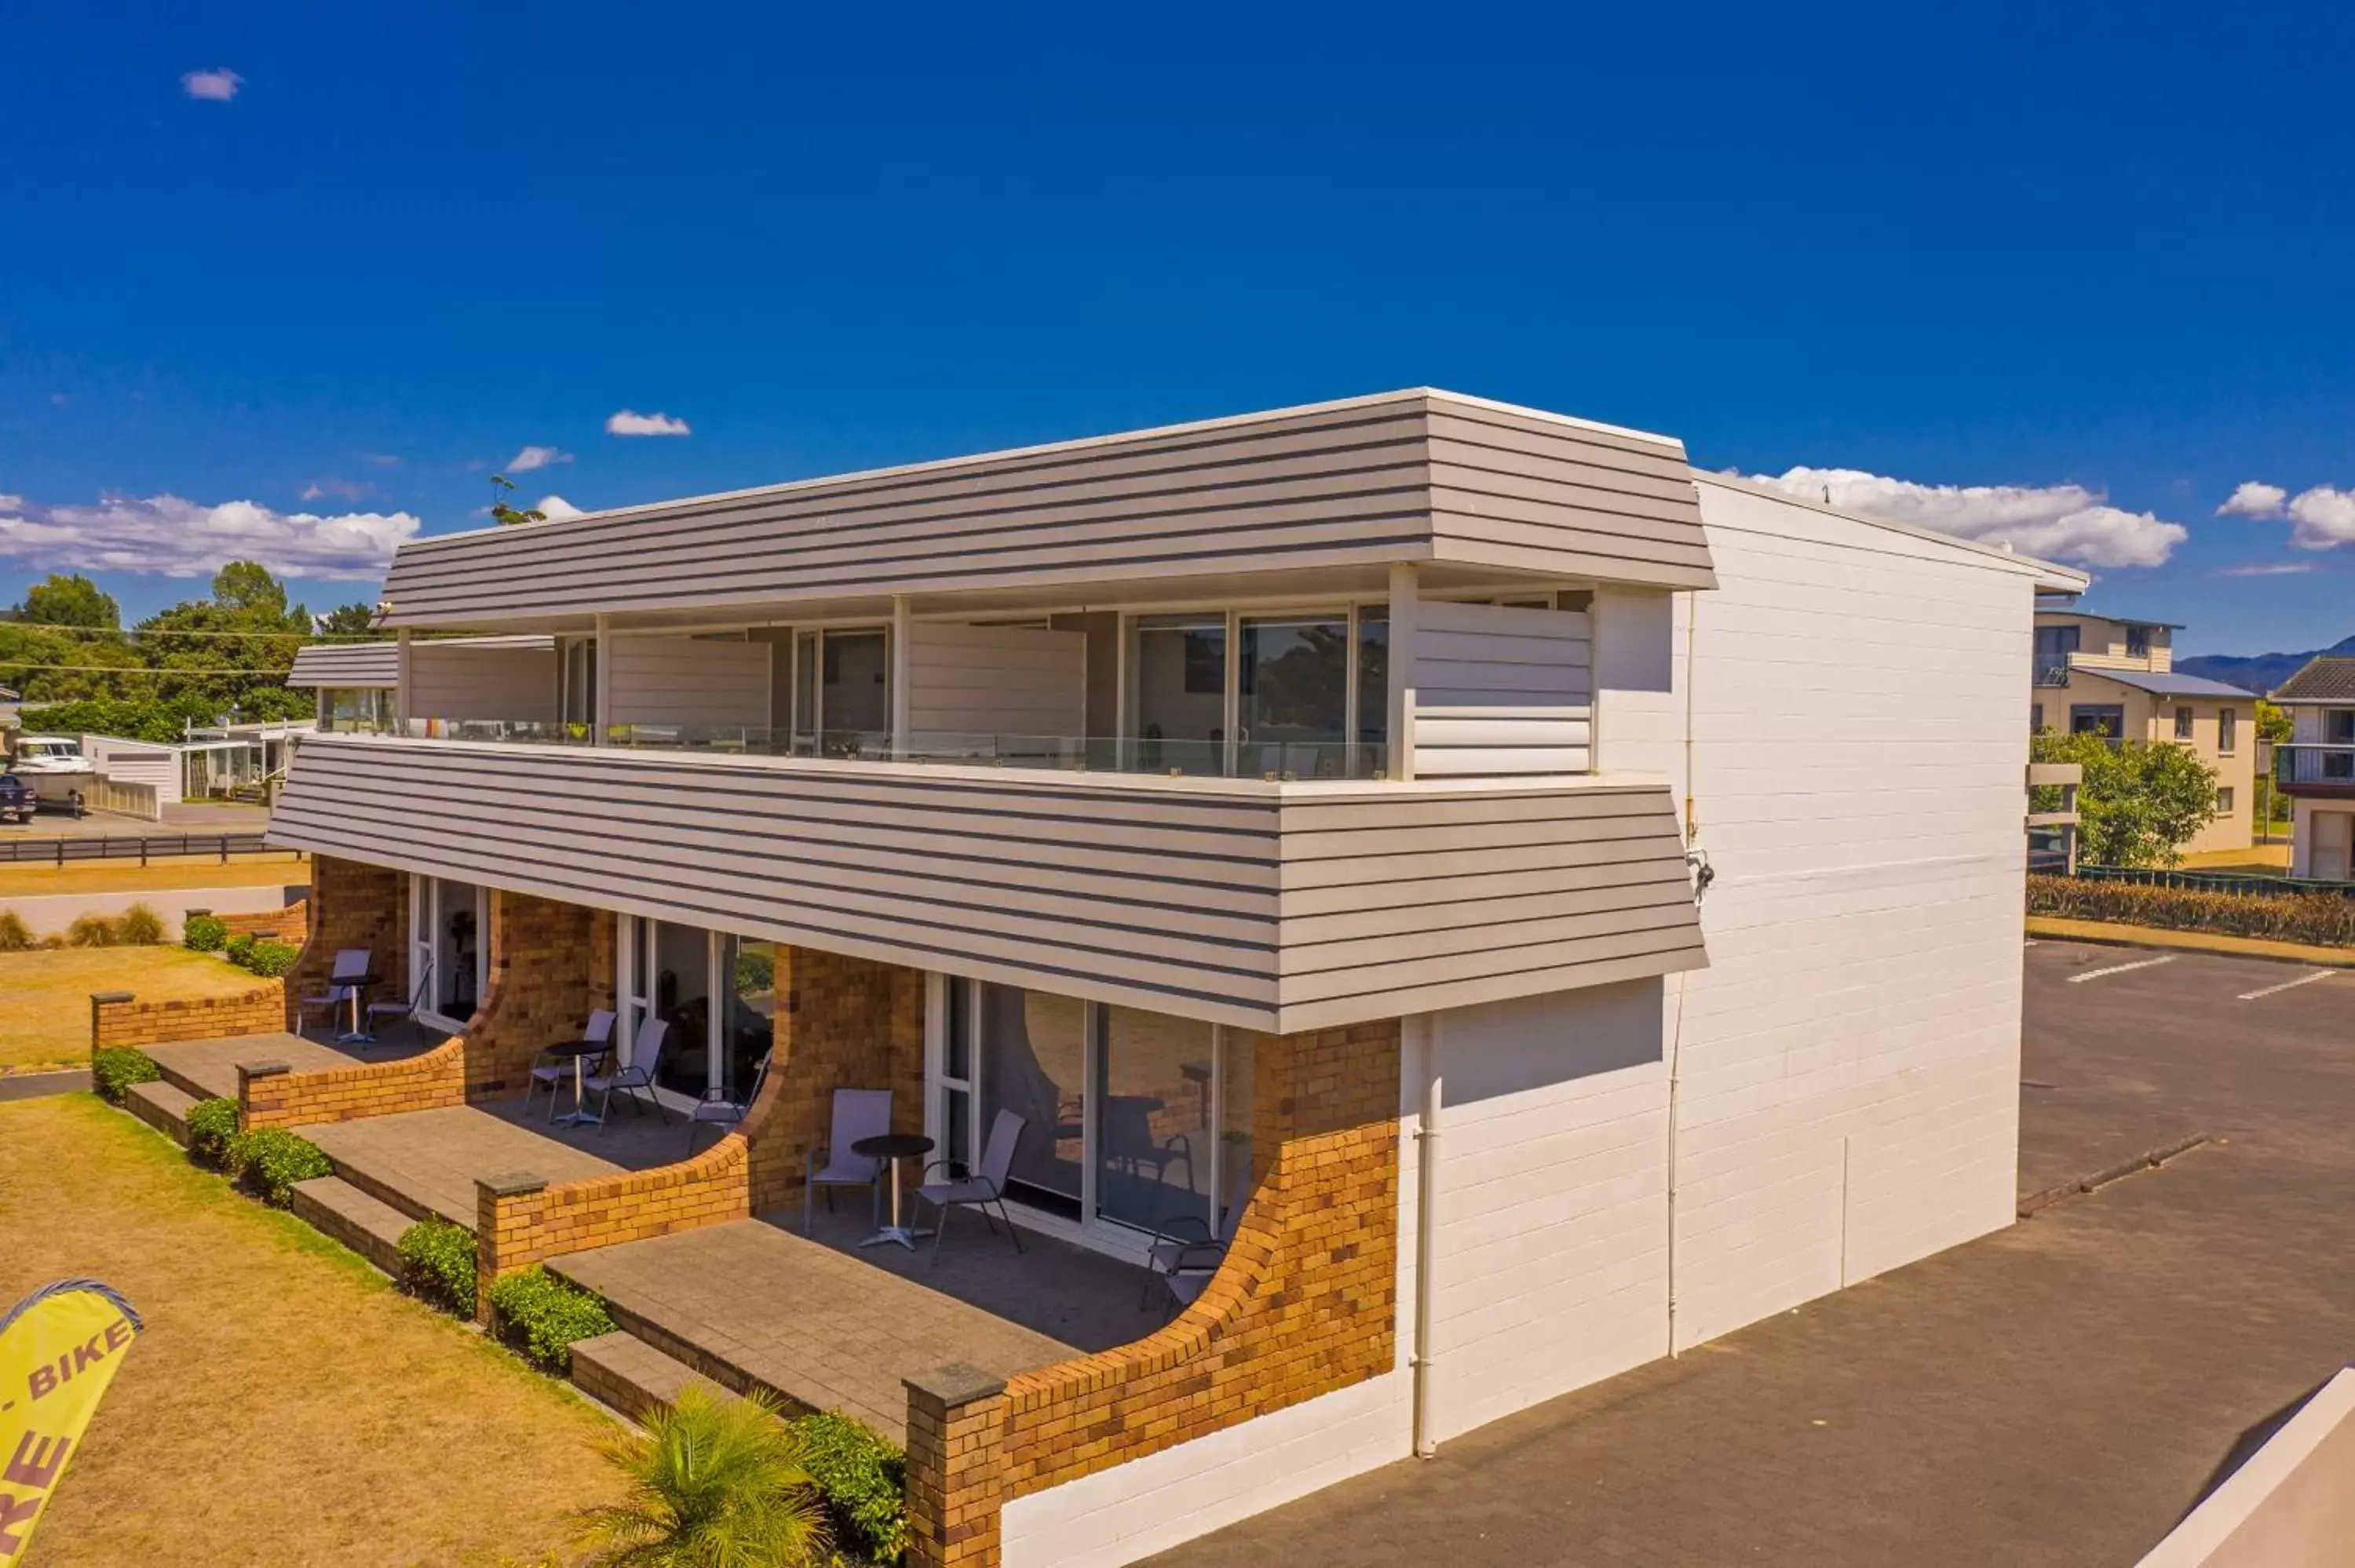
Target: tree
[[351, 622], [75, 600], [2138, 804], [713, 1480], [501, 488], [2273, 723]]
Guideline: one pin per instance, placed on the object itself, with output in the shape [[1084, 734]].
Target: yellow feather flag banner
[[60, 1348]]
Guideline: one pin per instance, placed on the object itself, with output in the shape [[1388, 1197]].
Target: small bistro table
[[356, 984], [892, 1147], [580, 1051]]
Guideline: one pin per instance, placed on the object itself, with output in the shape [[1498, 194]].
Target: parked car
[[17, 801]]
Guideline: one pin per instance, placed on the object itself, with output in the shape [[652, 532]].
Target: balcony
[[2052, 674], [1267, 901], [2303, 768]]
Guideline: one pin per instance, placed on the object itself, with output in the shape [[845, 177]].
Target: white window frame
[[425, 915]]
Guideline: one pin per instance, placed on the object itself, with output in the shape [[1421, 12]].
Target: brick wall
[[427, 1081], [551, 966], [352, 904], [844, 1024], [1304, 1304], [291, 924], [120, 1018]]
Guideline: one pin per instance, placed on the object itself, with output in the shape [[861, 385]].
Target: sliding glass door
[[1292, 694], [449, 956], [717, 991]]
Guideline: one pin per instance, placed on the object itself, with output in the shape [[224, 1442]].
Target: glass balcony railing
[[1277, 757], [2302, 762]]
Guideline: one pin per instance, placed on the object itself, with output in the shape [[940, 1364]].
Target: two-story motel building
[[1344, 775]]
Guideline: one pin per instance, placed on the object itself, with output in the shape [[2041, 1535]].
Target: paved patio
[[430, 1160], [209, 1067]]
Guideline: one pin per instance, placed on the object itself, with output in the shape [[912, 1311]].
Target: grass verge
[[45, 995]]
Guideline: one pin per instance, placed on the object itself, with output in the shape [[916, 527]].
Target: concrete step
[[367, 1225], [388, 1193], [180, 1080], [630, 1375], [162, 1106]]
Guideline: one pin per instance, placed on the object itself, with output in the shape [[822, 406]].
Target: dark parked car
[[17, 800]]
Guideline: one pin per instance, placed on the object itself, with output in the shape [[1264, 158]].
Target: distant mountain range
[[2258, 673]]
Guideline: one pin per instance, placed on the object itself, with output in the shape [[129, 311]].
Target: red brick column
[[1304, 1304], [956, 1466], [551, 966], [352, 904], [842, 1024]]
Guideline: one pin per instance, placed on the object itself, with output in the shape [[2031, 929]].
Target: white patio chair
[[350, 964], [857, 1114], [555, 1072], [722, 1109], [396, 1011], [985, 1186], [637, 1079]]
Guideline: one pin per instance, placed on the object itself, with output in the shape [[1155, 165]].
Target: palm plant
[[714, 1483]]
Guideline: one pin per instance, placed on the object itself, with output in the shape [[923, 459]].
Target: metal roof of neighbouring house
[[2166, 683], [2325, 678], [2043, 610]]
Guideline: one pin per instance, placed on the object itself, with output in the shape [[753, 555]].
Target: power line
[[8, 664], [168, 631]]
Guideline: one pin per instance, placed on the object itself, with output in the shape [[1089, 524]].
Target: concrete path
[[2059, 1394], [33, 1086]]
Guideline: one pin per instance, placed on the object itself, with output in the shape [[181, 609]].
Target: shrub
[[116, 1068], [212, 1124], [138, 927], [90, 931], [437, 1263], [861, 1479], [2322, 918], [270, 959], [16, 937], [204, 933], [712, 1479], [542, 1315], [267, 1161], [238, 948], [52, 942]]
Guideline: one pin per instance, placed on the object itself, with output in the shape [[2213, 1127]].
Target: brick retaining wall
[[1304, 1304], [844, 1024], [290, 924], [427, 1081], [120, 1018], [551, 966]]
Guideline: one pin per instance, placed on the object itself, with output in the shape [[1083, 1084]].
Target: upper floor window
[[2339, 726], [2224, 800], [2228, 729], [2138, 641], [2183, 723]]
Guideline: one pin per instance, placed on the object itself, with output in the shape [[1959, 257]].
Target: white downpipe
[[1426, 1228]]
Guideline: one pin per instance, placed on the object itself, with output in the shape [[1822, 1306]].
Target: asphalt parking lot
[[2059, 1392]]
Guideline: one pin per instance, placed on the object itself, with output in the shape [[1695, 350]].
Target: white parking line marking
[[2119, 970], [2286, 985], [2031, 941]]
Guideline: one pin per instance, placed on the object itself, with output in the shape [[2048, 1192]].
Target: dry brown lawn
[[285, 1405], [21, 881], [45, 995]]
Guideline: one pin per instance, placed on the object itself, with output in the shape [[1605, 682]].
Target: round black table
[[892, 1147], [356, 1035], [580, 1051]]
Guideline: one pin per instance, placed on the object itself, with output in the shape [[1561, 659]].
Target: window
[[2138, 641], [2183, 723], [2035, 718], [2224, 800], [2228, 726]]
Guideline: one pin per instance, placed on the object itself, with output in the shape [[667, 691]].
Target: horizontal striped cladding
[[996, 680], [686, 680], [1273, 906], [1501, 691], [1500, 480], [471, 679], [346, 665], [1343, 483]]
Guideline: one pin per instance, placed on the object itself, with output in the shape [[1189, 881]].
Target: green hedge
[[270, 959], [863, 1480], [269, 1160], [204, 933], [542, 1315], [115, 1069], [212, 1125], [2322, 919], [437, 1263], [237, 949]]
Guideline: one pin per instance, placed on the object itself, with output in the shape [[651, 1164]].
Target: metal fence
[[2243, 883], [142, 848]]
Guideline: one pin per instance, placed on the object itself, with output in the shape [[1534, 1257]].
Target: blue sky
[[2039, 247]]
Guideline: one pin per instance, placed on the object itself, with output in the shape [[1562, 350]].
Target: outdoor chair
[[635, 1081], [857, 1114], [719, 1109], [985, 1186], [1185, 1252], [350, 964], [1131, 1147], [398, 1012], [556, 1072]]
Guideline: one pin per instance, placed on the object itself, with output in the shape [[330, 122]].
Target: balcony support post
[[400, 699], [902, 703], [601, 727], [1405, 599]]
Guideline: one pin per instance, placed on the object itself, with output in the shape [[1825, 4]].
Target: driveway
[[2059, 1392]]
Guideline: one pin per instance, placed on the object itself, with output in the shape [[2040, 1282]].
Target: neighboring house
[[1330, 786], [2100, 676], [2315, 768]]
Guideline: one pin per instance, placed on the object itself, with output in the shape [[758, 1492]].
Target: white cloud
[[531, 457], [381, 460], [2253, 499], [2060, 521], [557, 509], [626, 423], [213, 86], [341, 489], [2322, 518], [176, 538], [2266, 570]]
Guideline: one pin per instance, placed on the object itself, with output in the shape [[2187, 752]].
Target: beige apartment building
[[2102, 674]]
